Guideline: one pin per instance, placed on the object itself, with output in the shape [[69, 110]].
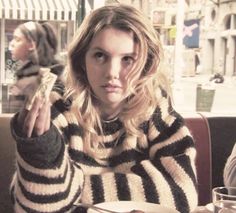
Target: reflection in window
[[228, 22], [63, 29]]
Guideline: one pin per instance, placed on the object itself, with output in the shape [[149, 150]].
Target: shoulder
[[65, 120], [165, 123], [28, 69], [165, 114], [60, 106], [57, 68]]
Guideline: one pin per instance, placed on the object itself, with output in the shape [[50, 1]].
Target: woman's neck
[[110, 112]]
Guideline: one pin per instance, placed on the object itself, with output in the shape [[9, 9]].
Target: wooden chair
[[199, 128]]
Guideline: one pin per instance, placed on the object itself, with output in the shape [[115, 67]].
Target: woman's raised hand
[[35, 121]]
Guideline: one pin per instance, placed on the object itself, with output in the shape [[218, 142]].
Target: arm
[[163, 172], [230, 169], [46, 180], [172, 154]]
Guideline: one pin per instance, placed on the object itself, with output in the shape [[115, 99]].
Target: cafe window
[[10, 64], [64, 33]]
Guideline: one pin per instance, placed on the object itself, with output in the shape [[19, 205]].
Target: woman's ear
[[33, 54], [32, 46]]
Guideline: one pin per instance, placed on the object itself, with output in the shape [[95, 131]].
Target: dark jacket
[[26, 78]]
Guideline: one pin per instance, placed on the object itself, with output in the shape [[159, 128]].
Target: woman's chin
[[113, 99]]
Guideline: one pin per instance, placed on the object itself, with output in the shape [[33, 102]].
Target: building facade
[[209, 37], [216, 39], [219, 33]]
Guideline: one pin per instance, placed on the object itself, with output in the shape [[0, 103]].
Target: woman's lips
[[111, 88]]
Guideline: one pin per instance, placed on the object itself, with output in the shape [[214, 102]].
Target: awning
[[39, 9]]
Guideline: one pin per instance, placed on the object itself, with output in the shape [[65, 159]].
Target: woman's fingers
[[37, 119], [42, 123], [48, 121], [31, 117]]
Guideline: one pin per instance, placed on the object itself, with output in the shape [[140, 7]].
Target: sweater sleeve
[[46, 180], [167, 175], [171, 164], [230, 169]]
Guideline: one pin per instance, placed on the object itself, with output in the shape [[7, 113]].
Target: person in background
[[217, 78], [35, 46], [113, 135], [230, 169]]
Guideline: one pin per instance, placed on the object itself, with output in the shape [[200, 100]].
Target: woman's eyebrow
[[97, 48], [132, 53]]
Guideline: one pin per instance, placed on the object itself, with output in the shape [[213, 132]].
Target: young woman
[[114, 135], [230, 169], [35, 46]]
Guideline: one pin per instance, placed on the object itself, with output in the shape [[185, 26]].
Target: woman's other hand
[[14, 90], [35, 121]]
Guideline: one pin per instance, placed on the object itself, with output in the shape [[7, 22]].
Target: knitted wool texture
[[54, 172]]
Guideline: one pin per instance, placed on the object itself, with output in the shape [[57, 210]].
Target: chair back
[[7, 162], [199, 128]]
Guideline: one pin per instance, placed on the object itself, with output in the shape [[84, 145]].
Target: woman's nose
[[113, 69], [10, 45]]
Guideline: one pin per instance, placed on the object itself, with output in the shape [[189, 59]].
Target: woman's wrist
[[38, 151]]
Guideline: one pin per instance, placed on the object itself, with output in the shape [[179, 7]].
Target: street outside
[[224, 103], [185, 95]]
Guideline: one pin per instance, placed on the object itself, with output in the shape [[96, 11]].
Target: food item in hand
[[45, 83]]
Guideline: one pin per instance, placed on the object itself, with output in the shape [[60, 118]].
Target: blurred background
[[198, 36]]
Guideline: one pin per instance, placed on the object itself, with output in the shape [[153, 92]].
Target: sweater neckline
[[110, 120]]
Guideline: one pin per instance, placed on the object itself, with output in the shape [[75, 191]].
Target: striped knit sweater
[[53, 171]]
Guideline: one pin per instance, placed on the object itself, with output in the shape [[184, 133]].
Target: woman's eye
[[128, 60], [16, 39], [100, 57]]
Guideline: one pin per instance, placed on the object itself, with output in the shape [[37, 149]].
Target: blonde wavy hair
[[144, 80]]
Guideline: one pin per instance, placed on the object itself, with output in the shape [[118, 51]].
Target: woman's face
[[110, 57], [19, 46]]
